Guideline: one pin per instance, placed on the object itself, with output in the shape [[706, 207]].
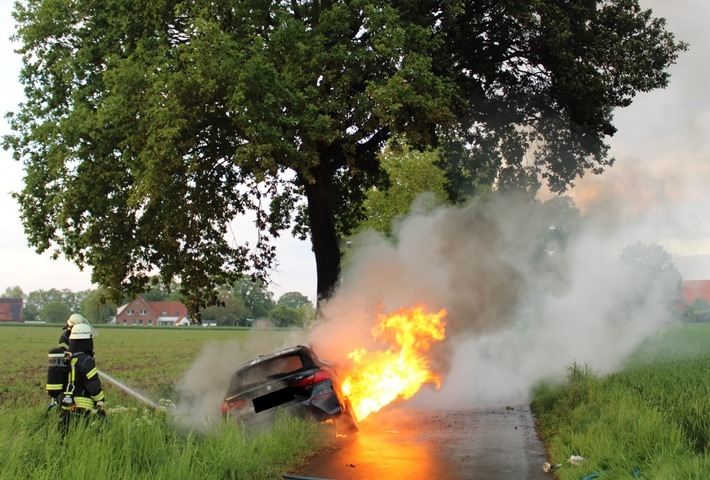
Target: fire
[[380, 377]]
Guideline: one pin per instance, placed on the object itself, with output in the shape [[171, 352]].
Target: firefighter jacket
[[84, 376]]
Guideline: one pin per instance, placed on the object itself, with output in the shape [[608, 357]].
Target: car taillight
[[318, 376], [225, 407]]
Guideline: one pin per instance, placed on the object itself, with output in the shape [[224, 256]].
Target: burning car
[[294, 378]]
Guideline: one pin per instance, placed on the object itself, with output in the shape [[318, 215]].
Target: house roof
[[164, 311], [694, 289], [172, 309]]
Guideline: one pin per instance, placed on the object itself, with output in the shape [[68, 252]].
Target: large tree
[[149, 125]]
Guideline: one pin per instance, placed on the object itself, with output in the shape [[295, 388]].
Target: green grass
[[144, 445], [651, 420], [139, 442]]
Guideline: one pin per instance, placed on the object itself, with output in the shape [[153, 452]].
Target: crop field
[[170, 366], [650, 421]]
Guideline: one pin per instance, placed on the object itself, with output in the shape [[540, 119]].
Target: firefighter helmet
[[76, 319], [82, 331]]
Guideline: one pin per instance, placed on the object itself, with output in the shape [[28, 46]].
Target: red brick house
[[142, 312], [694, 289], [11, 310]]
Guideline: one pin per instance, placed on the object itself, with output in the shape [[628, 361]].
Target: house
[[694, 289], [11, 310], [142, 312]]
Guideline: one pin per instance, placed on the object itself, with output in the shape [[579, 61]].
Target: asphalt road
[[497, 443]]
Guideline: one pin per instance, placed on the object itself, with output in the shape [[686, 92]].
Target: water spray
[[128, 390]]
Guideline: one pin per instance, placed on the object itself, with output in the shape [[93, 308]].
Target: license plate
[[278, 397], [273, 399]]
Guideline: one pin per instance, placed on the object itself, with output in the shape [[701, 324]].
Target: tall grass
[[144, 445], [651, 420]]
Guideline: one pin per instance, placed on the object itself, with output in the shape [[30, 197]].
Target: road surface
[[495, 443]]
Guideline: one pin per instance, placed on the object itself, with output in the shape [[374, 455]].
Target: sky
[[658, 191]]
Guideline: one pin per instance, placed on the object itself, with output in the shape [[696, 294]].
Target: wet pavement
[[494, 443]]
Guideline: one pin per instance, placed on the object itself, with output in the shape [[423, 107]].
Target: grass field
[[139, 442], [651, 420]]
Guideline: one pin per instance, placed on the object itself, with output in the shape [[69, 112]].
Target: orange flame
[[380, 377]]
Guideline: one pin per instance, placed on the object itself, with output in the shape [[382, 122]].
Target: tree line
[[243, 301]]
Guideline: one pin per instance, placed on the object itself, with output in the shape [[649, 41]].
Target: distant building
[[141, 312], [11, 310], [694, 289]]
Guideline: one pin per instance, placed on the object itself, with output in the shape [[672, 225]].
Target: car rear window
[[275, 367]]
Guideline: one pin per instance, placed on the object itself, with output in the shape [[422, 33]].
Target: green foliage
[[148, 127], [55, 312], [410, 173], [38, 299], [230, 312], [652, 416], [545, 79], [155, 291], [306, 314], [96, 308], [283, 316], [293, 300], [258, 301]]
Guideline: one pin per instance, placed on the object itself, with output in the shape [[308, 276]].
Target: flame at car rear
[[382, 376]]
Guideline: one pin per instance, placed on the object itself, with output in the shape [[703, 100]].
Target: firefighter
[[83, 392], [58, 367], [74, 319]]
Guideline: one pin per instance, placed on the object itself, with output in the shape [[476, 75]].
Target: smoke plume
[[530, 287]]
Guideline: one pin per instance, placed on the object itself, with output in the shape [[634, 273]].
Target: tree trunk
[[323, 235]]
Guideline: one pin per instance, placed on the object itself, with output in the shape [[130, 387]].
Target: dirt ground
[[495, 443]]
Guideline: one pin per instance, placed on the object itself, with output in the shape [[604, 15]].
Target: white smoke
[[522, 304], [205, 383]]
